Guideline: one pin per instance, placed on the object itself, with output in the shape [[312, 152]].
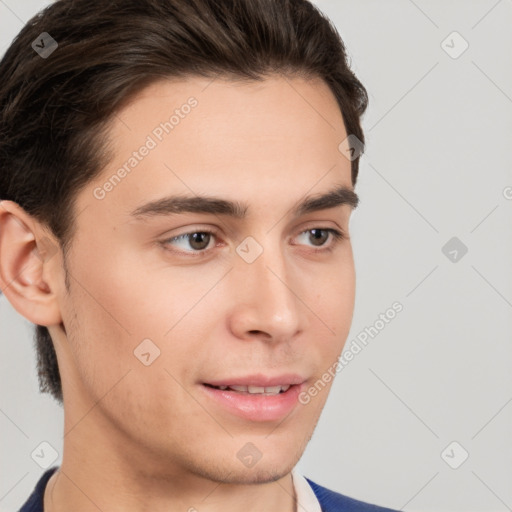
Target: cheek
[[99, 345], [336, 296], [149, 296], [119, 378], [129, 309], [334, 307]]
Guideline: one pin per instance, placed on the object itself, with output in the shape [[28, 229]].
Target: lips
[[258, 397], [255, 406]]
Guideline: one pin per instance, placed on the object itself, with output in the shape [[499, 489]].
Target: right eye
[[198, 241]]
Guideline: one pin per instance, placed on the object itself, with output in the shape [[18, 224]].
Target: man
[[177, 183]]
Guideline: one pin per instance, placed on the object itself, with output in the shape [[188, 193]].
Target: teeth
[[271, 390], [243, 389], [257, 389]]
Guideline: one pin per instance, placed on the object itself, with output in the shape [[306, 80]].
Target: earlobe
[[24, 252]]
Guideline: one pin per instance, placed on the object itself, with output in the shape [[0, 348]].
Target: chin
[[259, 474], [232, 471]]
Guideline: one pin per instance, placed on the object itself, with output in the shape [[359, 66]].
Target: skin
[[141, 437]]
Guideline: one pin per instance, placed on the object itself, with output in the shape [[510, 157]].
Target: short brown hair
[[54, 111]]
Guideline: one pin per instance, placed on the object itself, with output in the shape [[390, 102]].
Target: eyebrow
[[214, 205]]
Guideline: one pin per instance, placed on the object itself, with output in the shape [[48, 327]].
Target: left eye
[[199, 241], [320, 235]]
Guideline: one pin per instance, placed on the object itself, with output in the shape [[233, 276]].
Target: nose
[[267, 302]]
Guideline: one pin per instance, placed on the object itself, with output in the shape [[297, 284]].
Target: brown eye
[[199, 241], [318, 236], [193, 242]]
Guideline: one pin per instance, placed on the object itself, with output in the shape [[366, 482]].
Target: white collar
[[306, 498]]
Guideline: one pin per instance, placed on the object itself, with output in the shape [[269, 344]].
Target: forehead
[[219, 136], [231, 114]]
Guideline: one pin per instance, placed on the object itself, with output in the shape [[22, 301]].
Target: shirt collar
[[306, 498]]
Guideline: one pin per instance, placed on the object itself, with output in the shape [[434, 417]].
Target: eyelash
[[337, 236]]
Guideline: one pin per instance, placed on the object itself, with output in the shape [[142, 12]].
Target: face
[[249, 291]]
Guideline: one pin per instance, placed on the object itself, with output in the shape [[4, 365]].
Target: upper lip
[[259, 380]]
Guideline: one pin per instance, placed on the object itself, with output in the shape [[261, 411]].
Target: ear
[[26, 266]]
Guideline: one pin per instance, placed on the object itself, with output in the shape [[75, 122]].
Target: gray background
[[437, 166]]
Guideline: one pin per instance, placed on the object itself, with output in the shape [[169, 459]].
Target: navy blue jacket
[[330, 501]]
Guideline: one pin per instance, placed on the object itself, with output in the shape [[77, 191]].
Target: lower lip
[[257, 407]]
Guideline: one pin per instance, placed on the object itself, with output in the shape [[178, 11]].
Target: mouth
[[253, 401], [254, 390]]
